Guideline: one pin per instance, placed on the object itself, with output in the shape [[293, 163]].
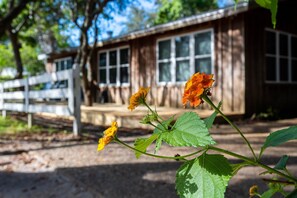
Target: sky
[[117, 23]]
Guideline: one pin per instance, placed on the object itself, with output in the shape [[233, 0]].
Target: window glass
[[102, 75], [283, 45], [284, 69], [124, 56], [102, 60], [270, 69], [270, 42], [203, 43], [294, 70], [124, 75], [113, 75], [164, 49], [182, 70], [164, 72], [182, 46], [69, 63], [294, 46], [113, 57], [62, 64], [203, 65]]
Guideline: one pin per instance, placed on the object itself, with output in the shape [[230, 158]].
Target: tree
[[138, 19], [86, 15], [170, 10]]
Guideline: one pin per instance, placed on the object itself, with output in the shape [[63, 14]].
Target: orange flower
[[138, 98], [195, 87], [108, 136], [253, 190]]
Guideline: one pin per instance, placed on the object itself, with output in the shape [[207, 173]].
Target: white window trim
[[278, 56], [117, 66], [191, 57], [59, 60]]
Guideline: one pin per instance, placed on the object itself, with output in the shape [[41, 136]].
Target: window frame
[[118, 67], [64, 60], [192, 57], [278, 56]]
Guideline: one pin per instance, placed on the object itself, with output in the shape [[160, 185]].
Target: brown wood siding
[[260, 96]]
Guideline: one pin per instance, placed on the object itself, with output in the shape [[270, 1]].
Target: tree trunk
[[16, 51]]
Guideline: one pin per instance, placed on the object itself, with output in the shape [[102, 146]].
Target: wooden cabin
[[255, 66]]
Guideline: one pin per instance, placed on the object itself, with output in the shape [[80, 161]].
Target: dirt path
[[60, 165]]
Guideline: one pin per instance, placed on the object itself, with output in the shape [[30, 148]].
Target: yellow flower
[[195, 87], [108, 136], [253, 190], [138, 98]]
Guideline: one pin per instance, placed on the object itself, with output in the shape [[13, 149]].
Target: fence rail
[[12, 99]]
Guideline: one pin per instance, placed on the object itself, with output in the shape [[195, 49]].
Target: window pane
[[164, 72], [124, 75], [58, 67], [283, 44], [102, 75], [164, 49], [284, 69], [69, 64], [203, 65], [270, 42], [182, 46], [124, 56], [294, 46], [182, 70], [270, 69], [102, 60], [113, 75], [113, 58], [294, 70], [203, 43], [62, 64]]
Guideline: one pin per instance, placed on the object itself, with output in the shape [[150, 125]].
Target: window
[[62, 64], [114, 66], [281, 57], [179, 57]]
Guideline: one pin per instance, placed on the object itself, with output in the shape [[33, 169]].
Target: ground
[[61, 165]]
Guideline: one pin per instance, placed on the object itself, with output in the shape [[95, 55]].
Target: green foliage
[[6, 56], [205, 176], [270, 5], [31, 63], [209, 121], [279, 137], [170, 10], [188, 130], [282, 163], [141, 144], [293, 194]]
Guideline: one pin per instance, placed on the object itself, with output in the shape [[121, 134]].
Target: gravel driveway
[[60, 165]]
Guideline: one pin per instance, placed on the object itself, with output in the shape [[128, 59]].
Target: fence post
[[74, 99], [2, 101], [27, 102]]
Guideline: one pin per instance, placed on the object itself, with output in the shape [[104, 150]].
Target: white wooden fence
[[11, 100]]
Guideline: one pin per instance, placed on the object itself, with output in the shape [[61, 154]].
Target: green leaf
[[237, 167], [205, 176], [282, 163], [141, 144], [209, 121], [273, 10], [188, 130], [158, 143], [280, 137], [268, 193], [264, 3]]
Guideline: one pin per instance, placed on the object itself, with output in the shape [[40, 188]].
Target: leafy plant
[[204, 174]]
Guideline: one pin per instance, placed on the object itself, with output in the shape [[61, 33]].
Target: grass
[[12, 126]]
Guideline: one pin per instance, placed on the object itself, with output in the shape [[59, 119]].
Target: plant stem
[[182, 157], [255, 163], [231, 123]]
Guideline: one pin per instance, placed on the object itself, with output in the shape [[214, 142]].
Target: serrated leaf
[[282, 163], [205, 176], [164, 126], [280, 137], [188, 130], [141, 144], [158, 143], [209, 121]]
